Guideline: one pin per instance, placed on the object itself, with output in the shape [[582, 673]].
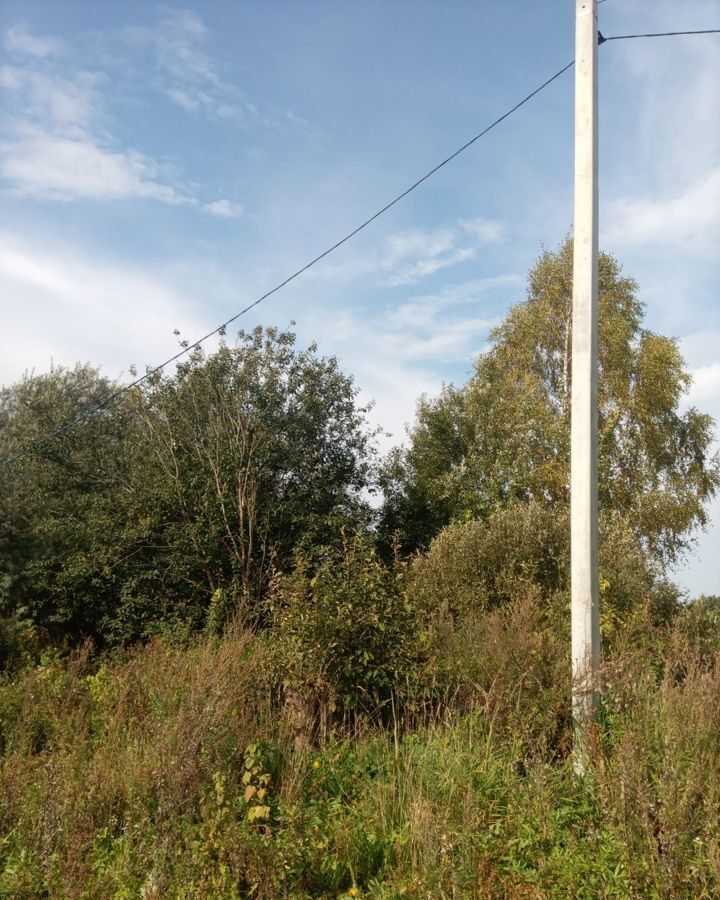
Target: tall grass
[[169, 772]]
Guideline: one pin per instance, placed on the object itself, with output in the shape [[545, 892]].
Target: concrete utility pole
[[584, 417]]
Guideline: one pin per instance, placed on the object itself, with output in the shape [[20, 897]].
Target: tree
[[236, 457], [57, 499], [194, 485], [504, 436]]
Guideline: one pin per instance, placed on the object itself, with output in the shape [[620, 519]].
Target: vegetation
[[504, 436], [196, 482], [169, 772], [223, 675]]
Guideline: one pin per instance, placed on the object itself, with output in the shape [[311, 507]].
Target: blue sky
[[161, 165]]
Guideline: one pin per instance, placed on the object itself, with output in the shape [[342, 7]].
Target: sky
[[162, 165]]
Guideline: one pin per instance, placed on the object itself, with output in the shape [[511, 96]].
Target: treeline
[[195, 485], [189, 496]]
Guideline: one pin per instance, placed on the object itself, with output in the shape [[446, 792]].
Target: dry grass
[[129, 780], [134, 742]]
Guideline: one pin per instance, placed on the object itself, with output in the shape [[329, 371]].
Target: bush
[[345, 634], [20, 643], [511, 664], [478, 565], [164, 772], [699, 624], [525, 550]]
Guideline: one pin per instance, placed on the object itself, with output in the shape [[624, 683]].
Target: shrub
[[346, 636], [164, 773], [20, 643], [700, 624], [524, 550], [511, 663], [477, 565]]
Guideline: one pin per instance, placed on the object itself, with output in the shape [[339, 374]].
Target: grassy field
[[170, 771]]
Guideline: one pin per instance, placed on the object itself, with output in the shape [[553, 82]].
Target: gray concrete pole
[[584, 417]]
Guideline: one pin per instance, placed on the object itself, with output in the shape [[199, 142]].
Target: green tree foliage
[[58, 500], [200, 481], [472, 567], [504, 436], [235, 458], [346, 634], [522, 551]]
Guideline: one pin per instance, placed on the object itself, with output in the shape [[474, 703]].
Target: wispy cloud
[[487, 231], [184, 71], [223, 209], [414, 254], [55, 148], [51, 166], [66, 104], [689, 218], [427, 313], [402, 351], [436, 327], [56, 142], [669, 196], [407, 257], [66, 307], [69, 307], [19, 39]]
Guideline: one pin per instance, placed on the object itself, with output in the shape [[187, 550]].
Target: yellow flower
[[354, 892], [316, 765]]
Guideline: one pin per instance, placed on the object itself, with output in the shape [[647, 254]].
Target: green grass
[[170, 773]]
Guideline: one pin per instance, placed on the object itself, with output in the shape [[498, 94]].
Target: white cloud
[[177, 40], [223, 209], [67, 104], [19, 39], [661, 195], [414, 254], [486, 231], [56, 146], [704, 393], [701, 572], [184, 71], [407, 257], [53, 167], [424, 310], [400, 352], [665, 193], [393, 389], [186, 74], [67, 308], [701, 348], [689, 218], [706, 387]]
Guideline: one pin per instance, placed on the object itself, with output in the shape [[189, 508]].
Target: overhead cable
[[656, 34], [221, 328]]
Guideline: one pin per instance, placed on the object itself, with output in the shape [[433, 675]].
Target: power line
[[221, 328], [625, 37]]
